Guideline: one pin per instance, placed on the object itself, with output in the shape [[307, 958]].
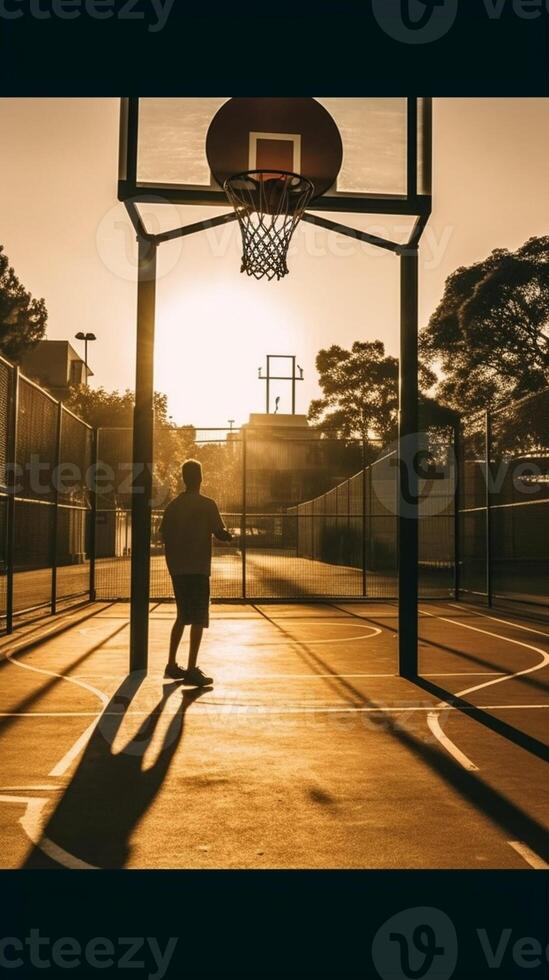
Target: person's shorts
[[192, 596]]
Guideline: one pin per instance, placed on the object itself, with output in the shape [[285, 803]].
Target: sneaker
[[197, 678], [175, 672]]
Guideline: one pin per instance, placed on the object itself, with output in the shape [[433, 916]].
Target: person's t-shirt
[[187, 527]]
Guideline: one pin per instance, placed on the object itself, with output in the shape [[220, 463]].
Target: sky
[[71, 243]]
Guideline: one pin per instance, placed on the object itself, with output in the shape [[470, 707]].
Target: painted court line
[[61, 767], [29, 789], [433, 722], [373, 631], [32, 823], [433, 718], [443, 706], [497, 619], [156, 675], [530, 856]]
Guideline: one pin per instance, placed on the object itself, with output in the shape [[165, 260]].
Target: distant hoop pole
[[143, 439], [408, 511]]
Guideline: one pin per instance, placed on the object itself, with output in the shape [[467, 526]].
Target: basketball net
[[269, 206]]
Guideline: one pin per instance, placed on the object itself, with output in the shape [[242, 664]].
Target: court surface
[[309, 751]]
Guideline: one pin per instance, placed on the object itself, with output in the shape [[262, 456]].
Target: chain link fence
[[503, 540], [312, 515], [355, 526], [46, 512]]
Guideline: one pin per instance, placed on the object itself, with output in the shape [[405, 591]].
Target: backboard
[[384, 163]]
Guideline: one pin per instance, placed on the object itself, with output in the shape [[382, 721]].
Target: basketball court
[[363, 731], [309, 751]]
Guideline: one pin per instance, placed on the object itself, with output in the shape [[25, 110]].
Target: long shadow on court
[[527, 680], [479, 661], [278, 586], [509, 732], [501, 811], [43, 689], [112, 790]]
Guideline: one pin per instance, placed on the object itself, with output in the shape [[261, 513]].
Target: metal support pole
[[348, 511], [408, 482], [364, 488], [457, 514], [92, 543], [293, 385], [55, 520], [244, 517], [488, 497], [268, 382], [143, 439], [12, 489]]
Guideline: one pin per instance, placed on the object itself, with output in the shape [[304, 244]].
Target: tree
[[99, 408], [113, 410], [490, 333], [222, 465], [22, 318], [360, 392]]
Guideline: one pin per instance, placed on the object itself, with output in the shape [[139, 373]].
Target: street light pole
[[85, 337]]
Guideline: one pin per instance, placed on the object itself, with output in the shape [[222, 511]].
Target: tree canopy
[[360, 393], [112, 409], [22, 318], [489, 335]]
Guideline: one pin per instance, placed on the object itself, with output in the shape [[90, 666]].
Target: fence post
[[348, 503], [93, 513], [408, 503], [370, 540], [11, 481], [457, 500], [488, 477], [243, 527], [55, 520], [364, 582]]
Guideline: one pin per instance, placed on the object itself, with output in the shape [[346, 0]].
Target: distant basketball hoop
[[268, 206]]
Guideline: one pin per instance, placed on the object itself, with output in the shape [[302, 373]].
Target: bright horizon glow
[[72, 243], [216, 350]]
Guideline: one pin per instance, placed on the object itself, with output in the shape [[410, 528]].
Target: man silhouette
[[187, 527]]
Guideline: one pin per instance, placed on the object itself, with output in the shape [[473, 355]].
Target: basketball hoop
[[269, 206]]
